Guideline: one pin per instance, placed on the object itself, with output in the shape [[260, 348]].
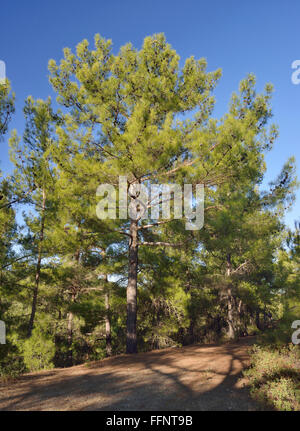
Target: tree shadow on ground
[[192, 378]]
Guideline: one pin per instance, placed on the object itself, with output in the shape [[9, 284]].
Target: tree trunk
[[107, 320], [230, 316], [70, 337], [131, 339], [257, 321], [265, 319], [71, 317], [218, 324], [230, 303], [38, 269], [191, 337]]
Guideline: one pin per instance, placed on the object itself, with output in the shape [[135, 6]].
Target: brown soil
[[198, 377]]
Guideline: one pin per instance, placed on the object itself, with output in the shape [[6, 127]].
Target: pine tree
[[7, 213], [7, 107], [126, 115], [35, 178]]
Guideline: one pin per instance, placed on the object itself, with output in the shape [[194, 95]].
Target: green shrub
[[274, 376], [11, 359], [11, 366], [281, 333], [38, 351], [282, 393]]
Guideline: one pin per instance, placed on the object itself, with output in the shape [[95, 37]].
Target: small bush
[[11, 366], [274, 376], [38, 351], [280, 333], [11, 359]]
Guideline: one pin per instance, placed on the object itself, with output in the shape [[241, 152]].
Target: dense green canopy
[[75, 287]]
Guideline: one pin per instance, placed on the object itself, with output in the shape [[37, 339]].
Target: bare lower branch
[[154, 224], [168, 244]]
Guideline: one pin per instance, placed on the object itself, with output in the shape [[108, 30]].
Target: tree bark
[[131, 339], [107, 319], [70, 336], [71, 317], [230, 303], [257, 320], [38, 269]]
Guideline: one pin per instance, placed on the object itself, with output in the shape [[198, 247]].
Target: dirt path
[[190, 378]]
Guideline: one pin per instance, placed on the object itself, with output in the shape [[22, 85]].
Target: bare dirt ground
[[198, 377]]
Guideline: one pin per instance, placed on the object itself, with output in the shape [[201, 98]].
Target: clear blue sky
[[238, 36]]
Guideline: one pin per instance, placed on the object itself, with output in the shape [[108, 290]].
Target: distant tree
[[7, 107]]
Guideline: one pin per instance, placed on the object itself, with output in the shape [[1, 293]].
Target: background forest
[[74, 288]]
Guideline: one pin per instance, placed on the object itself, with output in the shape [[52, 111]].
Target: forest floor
[[197, 377]]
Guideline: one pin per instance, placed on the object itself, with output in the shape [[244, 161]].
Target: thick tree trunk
[[230, 303], [107, 319], [38, 270], [131, 339]]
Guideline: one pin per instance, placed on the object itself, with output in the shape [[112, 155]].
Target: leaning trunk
[[131, 339], [38, 270]]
